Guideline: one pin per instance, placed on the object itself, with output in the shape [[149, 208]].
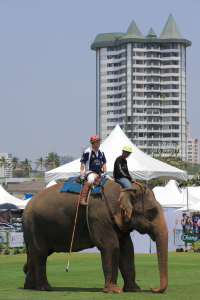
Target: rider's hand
[[133, 180], [104, 174], [82, 177]]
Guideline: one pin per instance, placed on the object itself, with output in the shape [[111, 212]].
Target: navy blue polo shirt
[[93, 161]]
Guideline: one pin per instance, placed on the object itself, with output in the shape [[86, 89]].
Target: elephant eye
[[151, 213]]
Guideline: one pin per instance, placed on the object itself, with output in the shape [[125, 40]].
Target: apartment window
[[167, 78], [176, 119], [167, 135], [112, 104], [176, 54], [167, 111], [110, 127], [175, 70], [112, 112], [175, 62], [166, 54], [175, 86], [139, 78], [175, 135], [167, 87], [139, 110], [167, 62], [175, 94], [166, 46], [139, 70], [175, 78]]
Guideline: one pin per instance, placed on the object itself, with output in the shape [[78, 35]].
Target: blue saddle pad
[[72, 186]]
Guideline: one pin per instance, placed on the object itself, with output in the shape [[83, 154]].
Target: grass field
[[85, 277]]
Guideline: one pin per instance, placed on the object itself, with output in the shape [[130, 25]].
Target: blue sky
[[47, 69]]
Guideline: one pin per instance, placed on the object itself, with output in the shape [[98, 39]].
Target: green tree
[[14, 163], [3, 162], [52, 161], [40, 162], [26, 164]]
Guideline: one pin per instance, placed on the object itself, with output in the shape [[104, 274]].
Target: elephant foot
[[30, 285], [132, 288], [46, 287], [112, 289]]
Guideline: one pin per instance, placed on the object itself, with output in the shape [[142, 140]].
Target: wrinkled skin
[[48, 221]]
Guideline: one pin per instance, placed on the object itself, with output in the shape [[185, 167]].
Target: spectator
[[186, 225]]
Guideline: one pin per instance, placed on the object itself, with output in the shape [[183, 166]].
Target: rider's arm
[[82, 169], [104, 167], [124, 174]]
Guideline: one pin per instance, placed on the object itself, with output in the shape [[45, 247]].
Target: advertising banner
[[16, 239]]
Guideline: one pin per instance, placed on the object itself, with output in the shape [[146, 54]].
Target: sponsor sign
[[189, 238], [16, 239]]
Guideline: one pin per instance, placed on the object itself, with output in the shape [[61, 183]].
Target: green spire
[[151, 33], [171, 31], [133, 32]]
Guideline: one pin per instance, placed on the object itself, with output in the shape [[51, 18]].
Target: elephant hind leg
[[41, 278], [30, 282]]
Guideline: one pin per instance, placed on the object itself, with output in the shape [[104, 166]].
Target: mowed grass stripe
[[85, 278]]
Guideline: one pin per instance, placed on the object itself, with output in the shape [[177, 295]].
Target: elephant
[[48, 222]]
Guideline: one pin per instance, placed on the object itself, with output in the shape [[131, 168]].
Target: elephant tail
[[25, 267]]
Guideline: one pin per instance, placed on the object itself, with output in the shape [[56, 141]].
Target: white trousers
[[91, 178]]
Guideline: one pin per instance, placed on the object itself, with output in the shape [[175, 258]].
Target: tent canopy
[[141, 165], [172, 196], [7, 199]]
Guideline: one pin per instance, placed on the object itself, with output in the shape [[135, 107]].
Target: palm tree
[[52, 161], [40, 162], [26, 164], [14, 162], [3, 162]]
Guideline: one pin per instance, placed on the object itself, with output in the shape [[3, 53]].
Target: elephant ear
[[127, 200]]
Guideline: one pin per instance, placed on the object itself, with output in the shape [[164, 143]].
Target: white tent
[[51, 183], [5, 197], [172, 196], [194, 191], [141, 165]]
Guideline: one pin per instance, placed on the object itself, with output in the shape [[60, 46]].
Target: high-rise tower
[[141, 85]]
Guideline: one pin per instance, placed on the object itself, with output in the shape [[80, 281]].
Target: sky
[[48, 71]]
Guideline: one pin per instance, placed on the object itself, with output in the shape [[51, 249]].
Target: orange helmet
[[94, 138]]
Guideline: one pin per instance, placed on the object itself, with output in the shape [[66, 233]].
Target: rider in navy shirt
[[93, 162]]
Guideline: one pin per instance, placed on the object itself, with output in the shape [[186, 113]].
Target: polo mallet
[[76, 216]]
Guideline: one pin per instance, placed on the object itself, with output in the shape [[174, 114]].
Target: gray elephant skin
[[48, 221]]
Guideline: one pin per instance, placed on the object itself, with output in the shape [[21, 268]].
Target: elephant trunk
[[161, 234]]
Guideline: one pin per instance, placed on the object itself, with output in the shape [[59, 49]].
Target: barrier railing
[[191, 237], [12, 240]]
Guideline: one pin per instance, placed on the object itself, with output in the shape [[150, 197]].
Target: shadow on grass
[[71, 289], [80, 290]]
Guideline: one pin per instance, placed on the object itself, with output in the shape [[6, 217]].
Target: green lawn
[[85, 277]]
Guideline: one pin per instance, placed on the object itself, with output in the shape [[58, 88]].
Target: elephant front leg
[[110, 264], [127, 266]]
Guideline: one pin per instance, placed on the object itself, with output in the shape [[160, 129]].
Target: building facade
[[141, 85], [65, 158], [6, 171], [192, 148]]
